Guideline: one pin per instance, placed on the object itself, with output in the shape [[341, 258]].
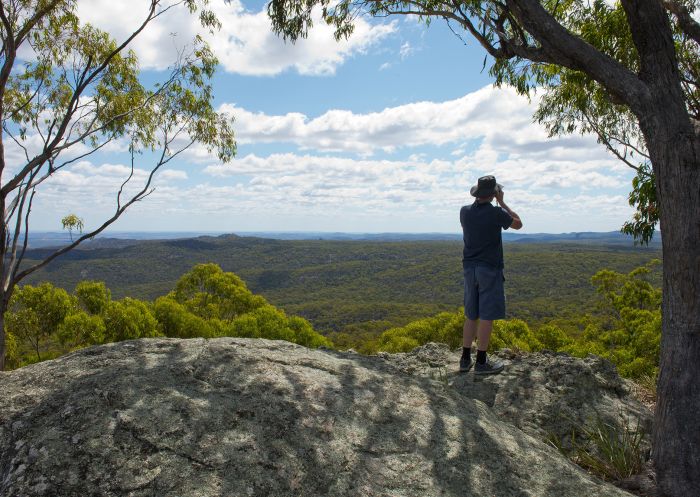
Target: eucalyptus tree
[[67, 91], [627, 71]]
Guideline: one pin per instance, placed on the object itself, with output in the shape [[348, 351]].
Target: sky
[[384, 132]]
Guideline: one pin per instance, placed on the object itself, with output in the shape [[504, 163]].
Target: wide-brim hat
[[485, 187]]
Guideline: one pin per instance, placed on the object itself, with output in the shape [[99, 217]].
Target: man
[[484, 297]]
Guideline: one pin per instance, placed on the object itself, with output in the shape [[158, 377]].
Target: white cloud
[[244, 45], [406, 50], [329, 177], [343, 193], [328, 182], [172, 174], [499, 117]]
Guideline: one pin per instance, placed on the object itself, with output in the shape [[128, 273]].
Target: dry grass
[[610, 452]]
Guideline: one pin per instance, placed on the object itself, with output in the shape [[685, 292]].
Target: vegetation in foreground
[[358, 288], [45, 321], [626, 329]]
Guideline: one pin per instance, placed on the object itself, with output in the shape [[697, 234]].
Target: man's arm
[[517, 223]]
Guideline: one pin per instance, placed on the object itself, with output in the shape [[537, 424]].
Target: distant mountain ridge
[[128, 238]]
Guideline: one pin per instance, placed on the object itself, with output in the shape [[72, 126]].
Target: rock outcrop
[[240, 417], [547, 395]]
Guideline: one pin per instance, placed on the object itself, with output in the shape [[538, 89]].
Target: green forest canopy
[[45, 321], [359, 288]]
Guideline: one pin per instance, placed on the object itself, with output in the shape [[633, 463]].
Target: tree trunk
[[675, 151], [2, 342]]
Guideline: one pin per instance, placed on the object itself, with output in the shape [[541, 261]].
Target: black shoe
[[491, 366], [465, 364]]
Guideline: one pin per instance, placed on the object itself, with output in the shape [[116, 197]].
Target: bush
[[445, 327], [177, 322], [272, 323], [209, 292], [93, 296], [552, 338], [12, 358], [35, 313], [127, 319], [80, 330], [513, 334]]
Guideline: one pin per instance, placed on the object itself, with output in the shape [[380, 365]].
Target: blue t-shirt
[[481, 230]]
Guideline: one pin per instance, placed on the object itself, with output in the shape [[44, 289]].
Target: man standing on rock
[[484, 296]]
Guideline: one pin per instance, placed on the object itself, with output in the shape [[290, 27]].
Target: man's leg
[[492, 299], [471, 310], [483, 337], [484, 334], [469, 332]]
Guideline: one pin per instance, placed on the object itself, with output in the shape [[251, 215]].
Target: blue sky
[[384, 132]]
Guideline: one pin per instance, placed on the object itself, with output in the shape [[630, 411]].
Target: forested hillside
[[45, 321], [356, 286]]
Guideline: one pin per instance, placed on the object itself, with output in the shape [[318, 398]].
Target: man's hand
[[499, 197], [517, 223]]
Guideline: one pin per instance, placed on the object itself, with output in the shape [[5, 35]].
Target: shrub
[[93, 296], [128, 319], [445, 327], [513, 334], [552, 337], [80, 330], [610, 452]]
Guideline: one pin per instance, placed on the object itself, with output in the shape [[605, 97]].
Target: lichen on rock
[[246, 417], [546, 394]]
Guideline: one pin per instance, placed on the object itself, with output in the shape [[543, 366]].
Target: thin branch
[[24, 242], [13, 205], [131, 175], [17, 142], [51, 171], [606, 141], [18, 228], [86, 154], [144, 192], [86, 80], [447, 21], [688, 25], [16, 111], [19, 209]]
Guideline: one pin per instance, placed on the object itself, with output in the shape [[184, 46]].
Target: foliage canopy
[[68, 90]]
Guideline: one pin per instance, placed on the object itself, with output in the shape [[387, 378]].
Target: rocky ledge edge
[[251, 417]]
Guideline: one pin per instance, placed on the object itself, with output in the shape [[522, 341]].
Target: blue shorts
[[484, 296]]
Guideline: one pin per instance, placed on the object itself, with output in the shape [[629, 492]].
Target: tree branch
[[14, 263], [138, 196], [570, 51], [15, 268], [86, 79], [685, 20]]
